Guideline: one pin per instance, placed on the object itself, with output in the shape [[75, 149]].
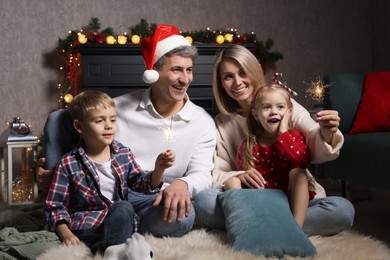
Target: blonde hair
[[87, 101], [254, 129], [251, 66]]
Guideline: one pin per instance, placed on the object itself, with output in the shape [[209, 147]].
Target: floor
[[372, 209], [372, 216]]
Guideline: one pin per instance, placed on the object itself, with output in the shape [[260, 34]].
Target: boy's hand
[[165, 159]]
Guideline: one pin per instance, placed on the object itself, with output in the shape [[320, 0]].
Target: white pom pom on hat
[[150, 76], [164, 39]]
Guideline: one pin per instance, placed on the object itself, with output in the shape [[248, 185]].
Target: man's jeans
[[151, 220], [325, 216]]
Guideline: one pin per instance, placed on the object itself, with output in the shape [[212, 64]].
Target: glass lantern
[[17, 179]]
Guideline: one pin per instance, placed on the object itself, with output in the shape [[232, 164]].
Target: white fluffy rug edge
[[199, 244]]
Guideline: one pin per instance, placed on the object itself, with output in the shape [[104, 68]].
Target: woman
[[237, 75]]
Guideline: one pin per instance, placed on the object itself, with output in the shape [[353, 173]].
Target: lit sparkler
[[316, 89], [168, 131]]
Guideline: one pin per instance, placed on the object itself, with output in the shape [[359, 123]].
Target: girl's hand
[[252, 179], [329, 122], [283, 127]]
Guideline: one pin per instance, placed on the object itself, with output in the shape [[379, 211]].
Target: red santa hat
[[164, 39]]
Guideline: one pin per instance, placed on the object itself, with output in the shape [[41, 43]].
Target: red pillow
[[374, 109]]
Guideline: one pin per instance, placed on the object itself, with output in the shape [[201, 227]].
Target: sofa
[[365, 155]]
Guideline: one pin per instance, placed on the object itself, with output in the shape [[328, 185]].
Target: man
[[162, 117]]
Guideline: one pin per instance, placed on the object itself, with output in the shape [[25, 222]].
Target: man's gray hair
[[183, 51]]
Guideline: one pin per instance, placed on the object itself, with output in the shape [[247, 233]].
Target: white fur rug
[[199, 244]]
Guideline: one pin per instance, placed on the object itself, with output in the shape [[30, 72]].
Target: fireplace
[[117, 69]]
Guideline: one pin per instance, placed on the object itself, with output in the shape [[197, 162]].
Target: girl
[[278, 153]]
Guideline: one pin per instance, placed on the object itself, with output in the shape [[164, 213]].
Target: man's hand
[[175, 197], [329, 122], [44, 177]]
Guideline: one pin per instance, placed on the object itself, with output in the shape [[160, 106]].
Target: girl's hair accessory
[[275, 79], [278, 82]]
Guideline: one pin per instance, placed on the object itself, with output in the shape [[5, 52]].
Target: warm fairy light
[[122, 39], [229, 37], [110, 39], [189, 39], [220, 39], [68, 98], [82, 38], [135, 39], [316, 89]]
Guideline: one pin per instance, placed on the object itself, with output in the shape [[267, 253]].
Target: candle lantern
[[17, 179]]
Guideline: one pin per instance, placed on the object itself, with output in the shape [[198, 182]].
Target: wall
[[315, 37]]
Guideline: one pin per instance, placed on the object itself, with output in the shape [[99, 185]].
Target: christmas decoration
[[135, 39], [189, 39], [122, 39], [92, 34], [68, 98], [82, 38], [220, 39], [229, 37], [17, 160], [110, 39]]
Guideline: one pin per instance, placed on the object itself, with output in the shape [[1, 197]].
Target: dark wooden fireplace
[[118, 69]]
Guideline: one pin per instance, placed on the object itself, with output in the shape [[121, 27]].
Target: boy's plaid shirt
[[75, 196]]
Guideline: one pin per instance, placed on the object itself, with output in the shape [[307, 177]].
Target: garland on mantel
[[92, 34]]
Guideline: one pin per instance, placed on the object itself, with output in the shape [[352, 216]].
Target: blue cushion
[[260, 221]]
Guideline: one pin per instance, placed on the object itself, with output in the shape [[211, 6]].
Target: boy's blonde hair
[[89, 100]]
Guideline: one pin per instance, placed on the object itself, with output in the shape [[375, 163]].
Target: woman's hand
[[252, 179], [329, 122]]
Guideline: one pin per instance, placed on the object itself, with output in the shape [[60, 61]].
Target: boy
[[87, 199]]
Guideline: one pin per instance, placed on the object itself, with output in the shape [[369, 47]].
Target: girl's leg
[[298, 193]]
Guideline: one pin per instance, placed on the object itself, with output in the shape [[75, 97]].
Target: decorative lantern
[[17, 179]]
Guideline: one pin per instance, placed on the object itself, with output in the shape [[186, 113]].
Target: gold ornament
[[122, 39], [68, 98], [229, 37], [135, 39], [82, 38], [189, 39], [220, 39], [110, 40]]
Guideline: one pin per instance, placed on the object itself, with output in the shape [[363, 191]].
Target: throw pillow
[[260, 221], [373, 114]]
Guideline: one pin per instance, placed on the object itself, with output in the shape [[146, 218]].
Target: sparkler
[[316, 89], [168, 131]]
